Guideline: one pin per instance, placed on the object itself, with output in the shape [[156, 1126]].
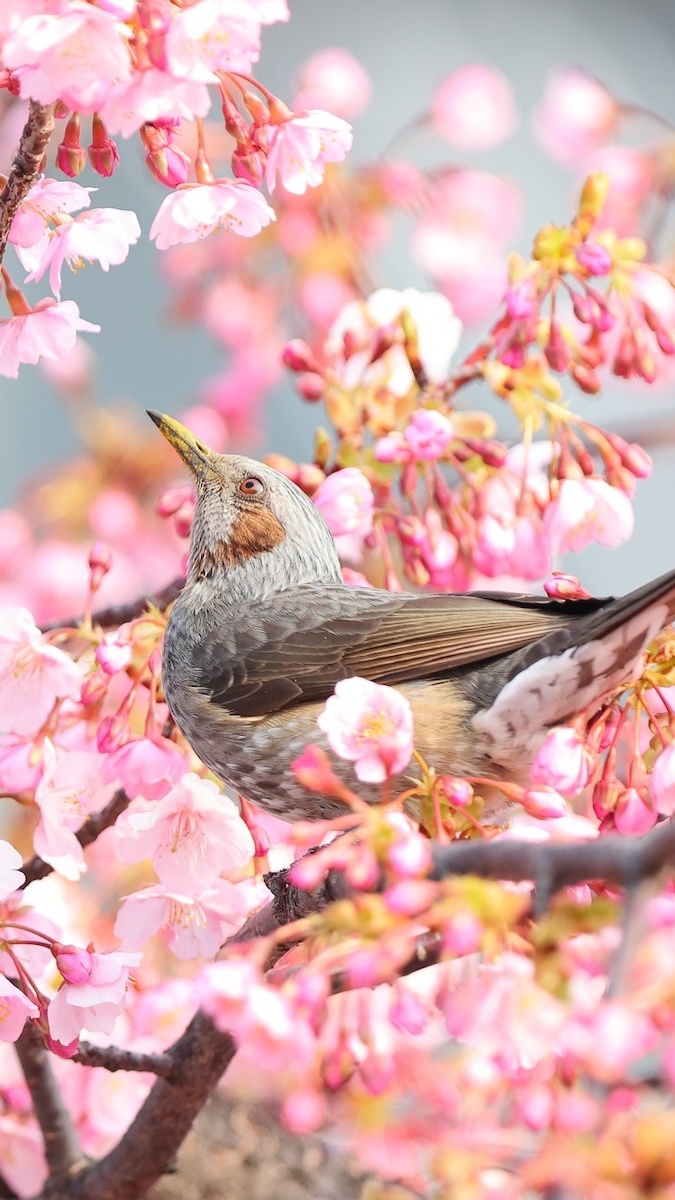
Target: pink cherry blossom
[[587, 510], [194, 211], [576, 114], [96, 1002], [662, 781], [298, 148], [428, 434], [191, 835], [15, 1009], [22, 1154], [70, 789], [154, 95], [335, 80], [145, 767], [473, 108], [562, 762], [33, 674], [102, 235], [345, 501], [47, 331], [196, 925], [544, 802], [633, 814], [371, 725], [212, 36], [76, 55], [49, 200], [11, 875]]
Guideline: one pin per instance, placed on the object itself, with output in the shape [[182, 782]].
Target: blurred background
[[147, 356]]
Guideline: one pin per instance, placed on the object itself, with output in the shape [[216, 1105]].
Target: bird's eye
[[251, 486]]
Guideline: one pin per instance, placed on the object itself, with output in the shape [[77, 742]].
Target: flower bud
[[457, 792], [561, 586], [594, 258], [74, 963], [311, 386], [100, 561], [168, 165], [298, 356], [248, 164], [70, 156], [103, 153]]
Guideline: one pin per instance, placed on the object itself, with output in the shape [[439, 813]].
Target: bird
[[265, 627]]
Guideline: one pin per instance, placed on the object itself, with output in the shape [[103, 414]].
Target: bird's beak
[[194, 453]]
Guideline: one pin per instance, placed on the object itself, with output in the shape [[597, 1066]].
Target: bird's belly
[[255, 757]]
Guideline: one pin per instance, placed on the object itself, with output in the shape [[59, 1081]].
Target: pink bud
[[409, 856], [662, 782], [74, 963], [595, 259], [70, 156], [561, 586], [462, 934], [410, 896], [100, 561], [103, 153], [520, 300], [457, 791], [556, 350], [297, 356], [113, 655], [313, 771], [58, 1048], [633, 815], [112, 733], [249, 164], [172, 499], [311, 386], [168, 165], [544, 802], [303, 1110], [93, 689], [562, 762]]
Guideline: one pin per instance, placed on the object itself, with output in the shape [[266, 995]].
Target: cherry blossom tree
[[474, 1007]]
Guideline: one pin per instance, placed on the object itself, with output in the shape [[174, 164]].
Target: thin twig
[[118, 614], [26, 166], [114, 1058], [36, 867], [62, 1151]]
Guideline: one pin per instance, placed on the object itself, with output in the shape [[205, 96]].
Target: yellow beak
[[194, 453]]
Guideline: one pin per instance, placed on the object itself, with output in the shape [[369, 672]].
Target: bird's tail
[[561, 674]]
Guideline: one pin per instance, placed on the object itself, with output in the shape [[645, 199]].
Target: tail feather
[[561, 674]]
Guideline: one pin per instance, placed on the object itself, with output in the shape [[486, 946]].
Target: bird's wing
[[298, 644]]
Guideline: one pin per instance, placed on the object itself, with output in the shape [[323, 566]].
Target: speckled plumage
[[264, 628]]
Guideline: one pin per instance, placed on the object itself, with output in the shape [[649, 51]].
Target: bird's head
[[253, 530]]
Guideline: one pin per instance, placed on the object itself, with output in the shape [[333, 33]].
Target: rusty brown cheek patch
[[255, 531]]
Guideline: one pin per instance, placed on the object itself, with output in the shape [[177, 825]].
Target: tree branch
[[26, 166], [36, 867], [114, 1058], [62, 1151], [119, 614]]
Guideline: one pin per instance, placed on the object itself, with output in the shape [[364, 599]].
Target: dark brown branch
[[114, 1058], [37, 868], [118, 614], [62, 1151], [554, 865], [145, 1151], [26, 166]]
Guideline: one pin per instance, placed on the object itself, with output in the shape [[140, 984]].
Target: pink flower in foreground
[[191, 835], [298, 148], [371, 725], [562, 762], [47, 331], [145, 767], [428, 434], [335, 80], [576, 114], [70, 789], [210, 36], [587, 510], [33, 674], [48, 200], [96, 1002], [196, 925], [473, 107], [76, 55], [662, 781], [102, 235], [11, 875], [15, 1009], [194, 211], [154, 95], [345, 501]]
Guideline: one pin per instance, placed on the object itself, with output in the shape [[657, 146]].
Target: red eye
[[251, 486]]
